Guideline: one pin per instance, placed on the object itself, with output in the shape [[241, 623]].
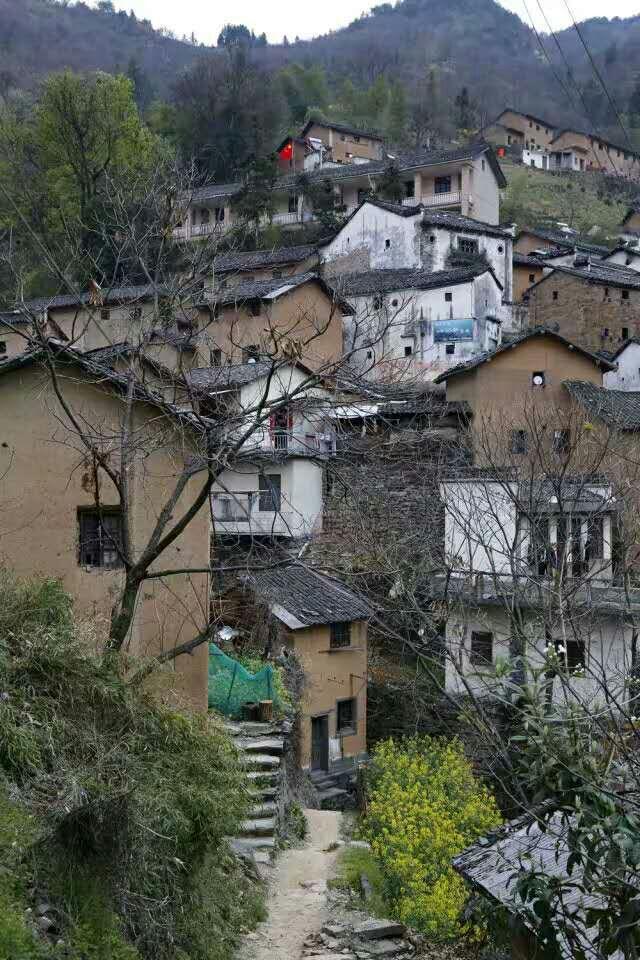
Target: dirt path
[[296, 901]]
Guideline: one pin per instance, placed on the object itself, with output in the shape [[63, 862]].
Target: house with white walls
[[414, 324], [516, 546], [626, 376], [625, 255], [388, 236], [274, 489]]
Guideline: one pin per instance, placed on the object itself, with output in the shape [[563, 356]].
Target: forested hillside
[[417, 70]]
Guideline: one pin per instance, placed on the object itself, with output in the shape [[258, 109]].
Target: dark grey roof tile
[[617, 408], [309, 597], [256, 259]]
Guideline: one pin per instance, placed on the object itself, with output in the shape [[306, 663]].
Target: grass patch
[[354, 863]]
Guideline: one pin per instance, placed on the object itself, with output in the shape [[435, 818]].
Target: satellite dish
[[538, 381]]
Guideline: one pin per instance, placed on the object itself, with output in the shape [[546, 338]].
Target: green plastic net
[[231, 685]]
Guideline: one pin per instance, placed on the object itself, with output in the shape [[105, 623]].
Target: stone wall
[[593, 315]]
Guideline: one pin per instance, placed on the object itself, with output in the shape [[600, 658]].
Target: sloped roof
[[513, 344], [617, 408], [301, 597], [521, 846], [274, 289], [600, 272], [529, 116], [256, 259], [213, 191], [340, 127], [567, 241], [237, 374], [456, 221], [527, 260], [386, 281], [126, 294]]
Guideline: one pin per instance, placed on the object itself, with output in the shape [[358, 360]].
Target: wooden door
[[320, 743]]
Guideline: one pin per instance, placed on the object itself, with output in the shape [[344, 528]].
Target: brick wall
[[590, 314]]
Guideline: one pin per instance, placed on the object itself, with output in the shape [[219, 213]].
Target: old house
[[515, 130], [414, 324], [527, 270], [388, 236], [626, 375], [273, 493], [465, 180], [324, 624], [300, 316], [49, 485], [270, 264], [593, 303], [624, 255], [556, 246], [323, 141]]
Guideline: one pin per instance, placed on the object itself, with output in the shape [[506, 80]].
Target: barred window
[[100, 537], [340, 635], [346, 716]]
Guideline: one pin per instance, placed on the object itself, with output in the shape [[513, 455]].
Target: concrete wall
[[484, 193], [332, 676], [590, 314], [607, 640], [45, 478]]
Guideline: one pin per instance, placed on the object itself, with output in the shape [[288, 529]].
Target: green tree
[[397, 114], [235, 34], [465, 111]]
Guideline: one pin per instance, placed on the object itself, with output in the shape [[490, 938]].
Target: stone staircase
[[262, 747], [334, 788]]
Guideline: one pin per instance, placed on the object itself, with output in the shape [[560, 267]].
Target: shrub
[[425, 806], [128, 802]]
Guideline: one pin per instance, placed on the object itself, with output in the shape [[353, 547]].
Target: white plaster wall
[[627, 376], [301, 498], [484, 192], [480, 526], [309, 418], [607, 642], [368, 232]]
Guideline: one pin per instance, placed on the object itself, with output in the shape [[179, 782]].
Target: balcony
[[286, 441], [451, 199], [241, 514]]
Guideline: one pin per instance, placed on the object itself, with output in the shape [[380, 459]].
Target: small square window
[[625, 333], [625, 294], [554, 295], [481, 652], [215, 357], [518, 441], [340, 635], [387, 244], [467, 245], [100, 537], [432, 239], [450, 349], [605, 332], [255, 308], [270, 493], [346, 717], [538, 378], [276, 274], [448, 297], [105, 313], [408, 351], [3, 347], [532, 278], [378, 301]]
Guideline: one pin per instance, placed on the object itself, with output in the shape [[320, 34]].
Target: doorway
[[320, 743]]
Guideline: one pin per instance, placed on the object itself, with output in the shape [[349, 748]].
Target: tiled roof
[[537, 332], [527, 260], [566, 241], [304, 598], [529, 116], [212, 378], [386, 281], [346, 171], [601, 272], [128, 294], [255, 259], [493, 863], [400, 209], [340, 127], [273, 289], [457, 222], [593, 136], [617, 408]]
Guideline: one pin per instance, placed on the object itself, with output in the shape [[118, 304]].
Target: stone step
[[251, 844], [261, 744], [325, 783], [267, 809], [251, 729], [262, 827], [262, 759], [333, 798]]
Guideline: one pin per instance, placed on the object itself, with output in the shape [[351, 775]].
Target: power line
[[600, 78], [594, 126]]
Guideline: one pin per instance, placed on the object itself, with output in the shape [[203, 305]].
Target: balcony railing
[[251, 512], [435, 199], [310, 443], [234, 507]]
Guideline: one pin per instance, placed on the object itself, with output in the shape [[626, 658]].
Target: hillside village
[[321, 511]]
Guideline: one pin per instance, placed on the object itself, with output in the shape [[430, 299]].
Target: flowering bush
[[425, 806]]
